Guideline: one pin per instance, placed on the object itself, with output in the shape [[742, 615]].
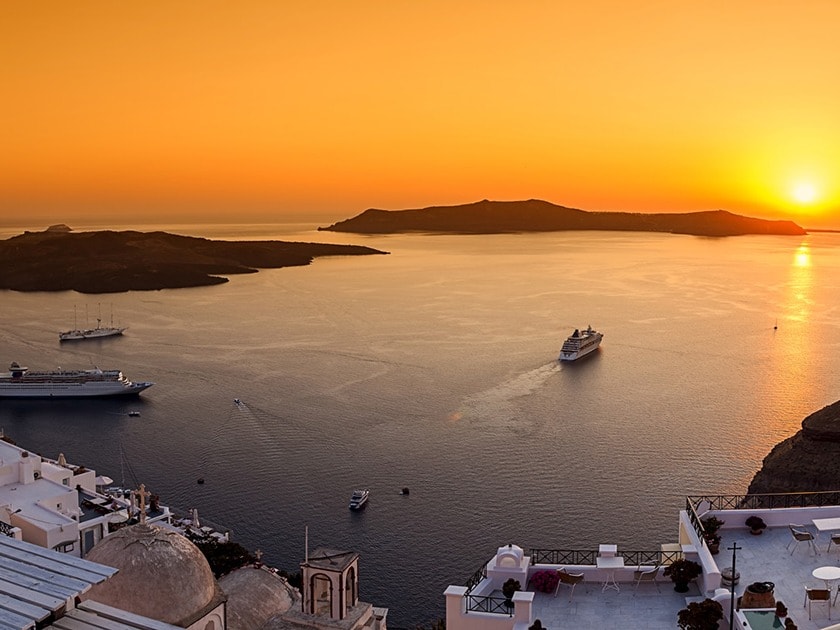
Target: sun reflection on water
[[790, 353]]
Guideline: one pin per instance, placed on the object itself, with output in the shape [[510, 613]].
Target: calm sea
[[434, 368]]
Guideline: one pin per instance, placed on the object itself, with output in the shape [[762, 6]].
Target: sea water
[[434, 368]]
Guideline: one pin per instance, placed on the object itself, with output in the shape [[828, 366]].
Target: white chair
[[817, 595], [835, 539], [800, 535], [648, 576]]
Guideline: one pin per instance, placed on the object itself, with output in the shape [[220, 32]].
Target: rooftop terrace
[[774, 556]]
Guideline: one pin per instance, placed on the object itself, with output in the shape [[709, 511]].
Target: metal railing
[[563, 556], [476, 578], [767, 501], [488, 604], [588, 557], [6, 529], [694, 518]]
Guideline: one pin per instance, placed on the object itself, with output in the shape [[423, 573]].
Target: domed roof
[[161, 575]]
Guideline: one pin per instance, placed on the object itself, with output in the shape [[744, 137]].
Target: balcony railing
[[766, 501], [488, 604], [476, 578], [587, 557], [6, 529]]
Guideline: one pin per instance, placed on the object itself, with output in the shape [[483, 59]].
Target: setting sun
[[804, 193]]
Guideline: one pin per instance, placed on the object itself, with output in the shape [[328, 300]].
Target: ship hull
[[81, 335], [70, 391]]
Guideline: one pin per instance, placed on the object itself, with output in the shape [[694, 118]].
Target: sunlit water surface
[[434, 368]]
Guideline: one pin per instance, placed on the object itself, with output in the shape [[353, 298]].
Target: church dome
[[161, 575]]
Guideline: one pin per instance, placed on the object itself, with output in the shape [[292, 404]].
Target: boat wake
[[498, 402]]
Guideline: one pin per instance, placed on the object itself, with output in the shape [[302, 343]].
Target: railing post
[[455, 602], [522, 604]]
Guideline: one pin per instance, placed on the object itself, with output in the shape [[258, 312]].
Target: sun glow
[[804, 193]]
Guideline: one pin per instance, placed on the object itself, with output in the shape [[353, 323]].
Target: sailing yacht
[[91, 333]]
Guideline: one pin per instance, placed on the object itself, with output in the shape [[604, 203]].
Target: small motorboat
[[134, 413], [359, 499]]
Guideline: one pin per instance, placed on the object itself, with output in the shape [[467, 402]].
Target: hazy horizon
[[321, 219]]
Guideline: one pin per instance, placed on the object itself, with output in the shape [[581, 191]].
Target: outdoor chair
[[817, 595], [835, 538], [800, 535], [647, 576], [568, 579]]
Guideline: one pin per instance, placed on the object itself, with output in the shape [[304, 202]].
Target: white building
[[55, 505]]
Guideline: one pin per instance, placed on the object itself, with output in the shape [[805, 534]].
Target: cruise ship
[[579, 344], [20, 382]]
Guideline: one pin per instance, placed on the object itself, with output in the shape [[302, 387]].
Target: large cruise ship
[[20, 382], [579, 344]]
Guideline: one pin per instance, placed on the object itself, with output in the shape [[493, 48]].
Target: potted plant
[[781, 609], [711, 525], [682, 572], [705, 615], [756, 525], [510, 586]]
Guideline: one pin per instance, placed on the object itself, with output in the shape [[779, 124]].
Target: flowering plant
[[545, 581]]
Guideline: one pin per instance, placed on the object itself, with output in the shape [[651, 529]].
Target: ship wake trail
[[498, 402]]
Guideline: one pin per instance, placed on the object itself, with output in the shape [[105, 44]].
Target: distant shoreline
[[535, 215], [59, 259]]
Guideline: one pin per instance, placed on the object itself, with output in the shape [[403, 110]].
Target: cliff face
[[534, 215], [807, 461]]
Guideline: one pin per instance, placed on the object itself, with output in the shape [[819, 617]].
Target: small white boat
[[579, 344], [359, 499]]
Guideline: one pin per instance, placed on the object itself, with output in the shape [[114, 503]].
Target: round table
[[828, 574]]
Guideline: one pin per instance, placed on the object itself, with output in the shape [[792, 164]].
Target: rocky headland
[[496, 217], [107, 261], [807, 461]]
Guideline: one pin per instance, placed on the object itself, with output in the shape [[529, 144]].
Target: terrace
[[774, 556]]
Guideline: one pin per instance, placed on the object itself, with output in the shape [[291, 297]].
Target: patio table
[[828, 574], [611, 564]]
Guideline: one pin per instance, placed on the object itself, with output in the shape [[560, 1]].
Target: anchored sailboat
[[91, 333]]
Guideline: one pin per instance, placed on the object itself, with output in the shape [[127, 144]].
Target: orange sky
[[258, 110]]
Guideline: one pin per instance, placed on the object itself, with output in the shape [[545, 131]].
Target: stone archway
[[321, 588]]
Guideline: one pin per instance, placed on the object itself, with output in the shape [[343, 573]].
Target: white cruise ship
[[20, 382], [579, 344]]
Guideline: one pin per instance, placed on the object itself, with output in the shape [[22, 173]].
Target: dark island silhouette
[[497, 217], [109, 261]]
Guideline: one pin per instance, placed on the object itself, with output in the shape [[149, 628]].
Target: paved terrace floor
[[763, 558]]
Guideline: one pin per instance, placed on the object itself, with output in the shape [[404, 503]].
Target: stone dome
[[161, 575]]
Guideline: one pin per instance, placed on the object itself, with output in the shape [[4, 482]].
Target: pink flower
[[545, 581]]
